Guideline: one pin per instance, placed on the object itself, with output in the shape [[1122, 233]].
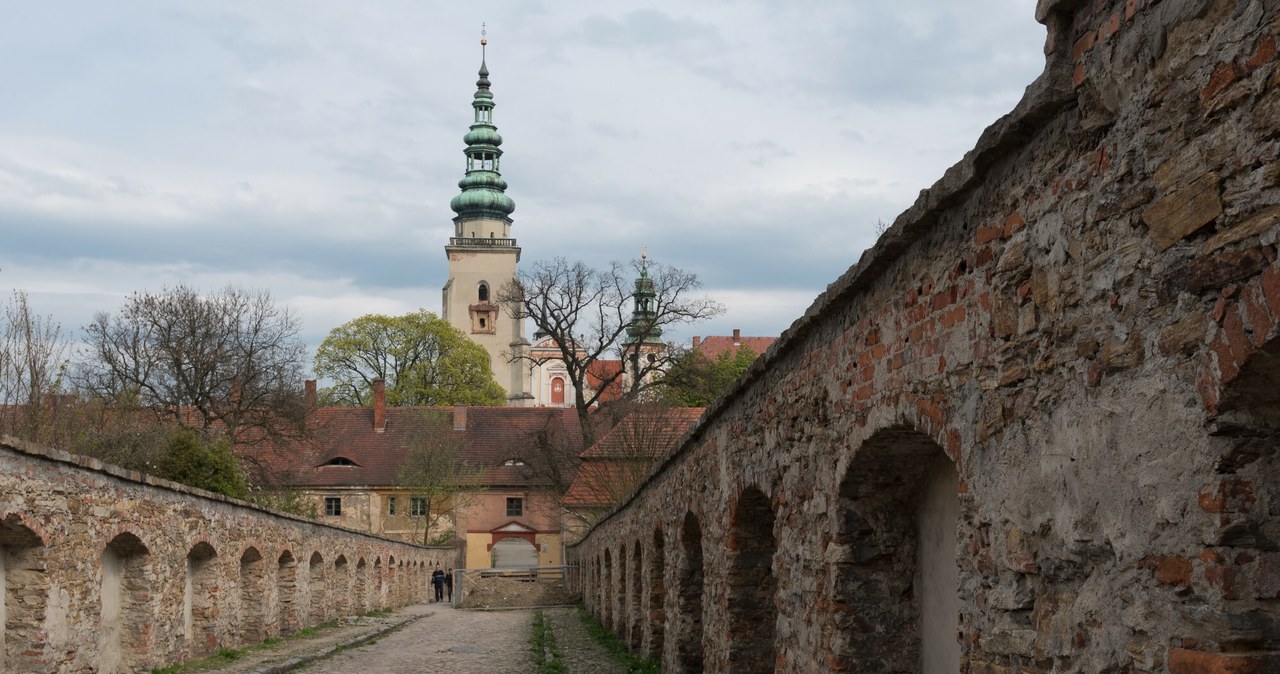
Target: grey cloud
[[761, 152], [647, 28]]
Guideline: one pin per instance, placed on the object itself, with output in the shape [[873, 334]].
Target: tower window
[[484, 322], [484, 292]]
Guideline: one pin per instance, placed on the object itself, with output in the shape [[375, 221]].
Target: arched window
[[484, 292], [339, 461]]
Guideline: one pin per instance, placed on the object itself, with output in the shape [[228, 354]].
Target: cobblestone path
[[443, 640], [456, 642]]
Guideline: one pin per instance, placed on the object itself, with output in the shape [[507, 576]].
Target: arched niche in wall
[[1245, 484], [606, 594], [635, 625], [24, 594], [753, 613], [125, 587], [200, 600], [288, 620], [341, 586], [316, 590], [689, 590], [895, 557], [657, 613], [252, 599], [620, 594], [362, 587]]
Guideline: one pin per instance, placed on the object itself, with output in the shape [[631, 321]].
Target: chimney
[[459, 417], [697, 341], [309, 397], [737, 337], [379, 406]]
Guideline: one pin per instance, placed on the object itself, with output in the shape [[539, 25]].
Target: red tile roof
[[713, 346], [616, 463], [602, 483], [493, 436], [644, 433], [600, 371]]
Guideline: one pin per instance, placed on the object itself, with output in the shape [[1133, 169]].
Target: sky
[[311, 148]]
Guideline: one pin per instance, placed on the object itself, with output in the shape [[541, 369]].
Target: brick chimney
[[379, 406], [459, 417], [697, 341], [309, 398], [737, 337]]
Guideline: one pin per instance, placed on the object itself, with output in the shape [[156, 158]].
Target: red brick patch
[[1227, 496], [1014, 223], [1223, 76], [1183, 661]]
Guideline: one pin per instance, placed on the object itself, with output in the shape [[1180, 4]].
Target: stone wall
[[1081, 320], [109, 570]]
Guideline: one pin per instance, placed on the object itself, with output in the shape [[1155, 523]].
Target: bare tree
[[439, 482], [225, 363], [587, 313], [33, 361]]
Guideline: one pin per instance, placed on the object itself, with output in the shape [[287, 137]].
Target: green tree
[[422, 359], [205, 464], [438, 481], [696, 381]]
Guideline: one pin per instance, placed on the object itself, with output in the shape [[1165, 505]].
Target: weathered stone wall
[[1082, 318], [110, 570]]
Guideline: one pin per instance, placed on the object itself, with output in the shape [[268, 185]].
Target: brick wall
[[109, 570], [1080, 318]]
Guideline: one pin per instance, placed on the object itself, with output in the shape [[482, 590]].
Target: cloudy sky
[[311, 148]]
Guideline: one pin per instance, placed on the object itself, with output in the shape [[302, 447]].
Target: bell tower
[[482, 253], [643, 345]]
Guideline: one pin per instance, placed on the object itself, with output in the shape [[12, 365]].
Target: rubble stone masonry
[[107, 570], [1035, 428]]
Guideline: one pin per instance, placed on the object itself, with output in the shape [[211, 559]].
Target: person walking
[[437, 582], [448, 583]]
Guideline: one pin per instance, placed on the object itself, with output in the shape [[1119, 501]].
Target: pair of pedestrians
[[442, 581]]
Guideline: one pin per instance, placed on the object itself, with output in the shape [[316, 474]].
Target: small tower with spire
[[643, 345], [482, 253]]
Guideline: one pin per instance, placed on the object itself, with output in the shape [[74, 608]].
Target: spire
[[642, 329], [483, 189]]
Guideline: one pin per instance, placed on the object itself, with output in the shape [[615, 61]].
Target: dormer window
[[513, 462], [339, 461]]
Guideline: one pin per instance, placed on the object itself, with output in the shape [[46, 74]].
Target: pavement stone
[[433, 639]]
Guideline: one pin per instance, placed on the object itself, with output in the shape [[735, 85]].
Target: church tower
[[482, 254], [643, 345]]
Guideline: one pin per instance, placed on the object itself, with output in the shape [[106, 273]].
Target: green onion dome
[[483, 189], [482, 203]]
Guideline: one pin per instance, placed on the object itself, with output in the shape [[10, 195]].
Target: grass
[[616, 647], [543, 643], [227, 655]]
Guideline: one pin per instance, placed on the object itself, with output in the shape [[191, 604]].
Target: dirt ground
[[498, 592]]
